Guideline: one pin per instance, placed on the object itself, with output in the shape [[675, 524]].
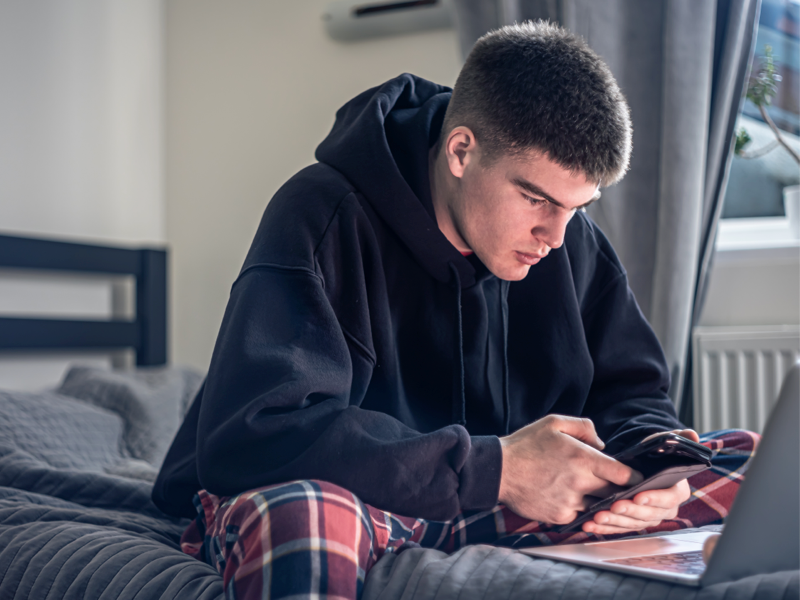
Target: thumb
[[689, 434], [581, 429]]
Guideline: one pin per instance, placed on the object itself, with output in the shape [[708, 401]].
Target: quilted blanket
[[71, 526], [77, 522], [56, 549], [489, 573]]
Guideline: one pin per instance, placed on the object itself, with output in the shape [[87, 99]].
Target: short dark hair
[[537, 86]]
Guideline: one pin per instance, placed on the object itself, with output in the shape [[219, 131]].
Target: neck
[[444, 187]]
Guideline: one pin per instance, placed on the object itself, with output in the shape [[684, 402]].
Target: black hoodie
[[361, 348]]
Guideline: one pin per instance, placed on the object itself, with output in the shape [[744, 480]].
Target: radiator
[[737, 373]]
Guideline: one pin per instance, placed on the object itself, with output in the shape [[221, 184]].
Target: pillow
[[60, 431], [150, 400]]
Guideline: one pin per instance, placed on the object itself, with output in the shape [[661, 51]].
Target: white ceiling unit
[[350, 21]]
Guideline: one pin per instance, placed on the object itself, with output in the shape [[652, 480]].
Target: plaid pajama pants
[[306, 539]]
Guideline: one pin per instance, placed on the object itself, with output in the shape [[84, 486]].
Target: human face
[[514, 210]]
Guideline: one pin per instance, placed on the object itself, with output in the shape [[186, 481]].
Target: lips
[[529, 259]]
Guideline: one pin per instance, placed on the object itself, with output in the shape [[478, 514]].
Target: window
[[753, 214]]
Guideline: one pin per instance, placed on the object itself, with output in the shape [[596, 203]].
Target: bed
[[77, 464], [77, 461]]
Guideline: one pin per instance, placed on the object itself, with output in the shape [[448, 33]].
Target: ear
[[460, 149]]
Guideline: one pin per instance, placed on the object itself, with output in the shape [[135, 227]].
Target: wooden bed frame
[[147, 333]]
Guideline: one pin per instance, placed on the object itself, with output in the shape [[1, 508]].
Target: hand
[[645, 509], [552, 467]]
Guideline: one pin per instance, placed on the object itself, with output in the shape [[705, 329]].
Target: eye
[[534, 201]]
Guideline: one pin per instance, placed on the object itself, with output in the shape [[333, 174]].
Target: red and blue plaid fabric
[[316, 539]]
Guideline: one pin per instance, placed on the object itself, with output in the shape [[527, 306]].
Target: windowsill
[[761, 239]]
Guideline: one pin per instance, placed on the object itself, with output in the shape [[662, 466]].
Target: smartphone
[[663, 460], [655, 453]]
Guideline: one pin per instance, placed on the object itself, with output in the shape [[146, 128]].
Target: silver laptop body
[[762, 531]]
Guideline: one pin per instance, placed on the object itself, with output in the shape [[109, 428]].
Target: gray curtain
[[682, 65]]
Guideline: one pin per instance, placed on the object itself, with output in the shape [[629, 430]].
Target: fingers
[[622, 523], [625, 511], [592, 527], [624, 515], [571, 511], [614, 471], [589, 501], [647, 509], [581, 429], [657, 434], [605, 490], [689, 434], [604, 476], [562, 456], [669, 498], [603, 467]]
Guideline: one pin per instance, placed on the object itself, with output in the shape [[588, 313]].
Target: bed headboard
[[147, 333]]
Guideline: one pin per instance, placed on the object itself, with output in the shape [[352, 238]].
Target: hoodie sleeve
[[276, 407], [628, 398]]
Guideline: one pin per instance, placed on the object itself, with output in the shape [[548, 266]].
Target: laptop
[[762, 531]]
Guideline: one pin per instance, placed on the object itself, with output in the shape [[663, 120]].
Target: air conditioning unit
[[349, 21]]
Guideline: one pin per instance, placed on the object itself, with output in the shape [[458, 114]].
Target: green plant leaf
[[742, 139], [764, 83]]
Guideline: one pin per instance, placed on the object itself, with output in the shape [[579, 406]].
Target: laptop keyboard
[[689, 563]]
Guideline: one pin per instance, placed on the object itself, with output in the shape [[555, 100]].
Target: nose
[[552, 231]]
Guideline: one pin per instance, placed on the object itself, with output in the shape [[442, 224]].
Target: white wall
[[755, 287], [81, 148], [81, 119], [252, 88]]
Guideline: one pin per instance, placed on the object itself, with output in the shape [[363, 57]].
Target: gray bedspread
[[486, 572], [77, 522], [50, 549], [71, 525]]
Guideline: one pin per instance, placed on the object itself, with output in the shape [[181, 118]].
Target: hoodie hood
[[380, 142]]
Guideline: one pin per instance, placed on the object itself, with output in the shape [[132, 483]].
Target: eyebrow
[[534, 189]]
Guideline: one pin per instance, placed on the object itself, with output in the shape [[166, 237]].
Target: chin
[[516, 272]]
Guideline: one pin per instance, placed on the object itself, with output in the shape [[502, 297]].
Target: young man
[[414, 311]]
